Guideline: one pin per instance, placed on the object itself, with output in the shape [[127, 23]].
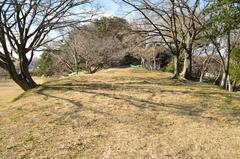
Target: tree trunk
[[218, 78], [176, 67], [202, 76], [226, 71], [154, 64], [25, 81], [187, 70], [230, 87], [143, 62], [203, 71], [76, 63], [224, 79], [234, 86]]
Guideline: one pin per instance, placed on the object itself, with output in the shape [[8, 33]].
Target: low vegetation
[[122, 113], [119, 79]]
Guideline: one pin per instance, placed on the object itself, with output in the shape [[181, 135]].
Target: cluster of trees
[[194, 31], [193, 38], [106, 42], [92, 46]]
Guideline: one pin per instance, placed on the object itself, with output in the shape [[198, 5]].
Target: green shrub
[[170, 67]]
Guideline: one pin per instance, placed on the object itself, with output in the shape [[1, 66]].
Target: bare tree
[[161, 19], [174, 23], [204, 56], [26, 25], [86, 50]]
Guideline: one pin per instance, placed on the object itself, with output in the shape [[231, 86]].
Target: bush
[[170, 67], [235, 64], [44, 66]]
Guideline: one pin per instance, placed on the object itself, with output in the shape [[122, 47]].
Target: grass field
[[121, 113], [9, 90]]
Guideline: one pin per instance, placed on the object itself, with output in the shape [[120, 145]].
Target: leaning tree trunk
[[23, 78], [202, 76]]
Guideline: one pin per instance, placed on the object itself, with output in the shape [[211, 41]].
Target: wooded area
[[119, 79], [193, 39]]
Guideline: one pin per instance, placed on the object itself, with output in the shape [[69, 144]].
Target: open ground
[[120, 113]]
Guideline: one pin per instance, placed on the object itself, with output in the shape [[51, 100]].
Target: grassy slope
[[122, 114], [9, 90]]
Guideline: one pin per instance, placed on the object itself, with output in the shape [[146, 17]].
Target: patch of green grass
[[17, 116], [29, 139]]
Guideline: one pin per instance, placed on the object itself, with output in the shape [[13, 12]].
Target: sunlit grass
[[122, 113]]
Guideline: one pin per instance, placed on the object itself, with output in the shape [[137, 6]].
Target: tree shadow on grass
[[228, 100], [107, 91], [41, 91], [112, 90]]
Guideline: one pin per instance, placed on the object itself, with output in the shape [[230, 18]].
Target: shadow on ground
[[114, 88]]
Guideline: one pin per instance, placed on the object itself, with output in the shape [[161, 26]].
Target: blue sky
[[110, 8]]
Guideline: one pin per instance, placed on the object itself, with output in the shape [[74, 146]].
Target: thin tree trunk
[[226, 71], [202, 76], [224, 79], [230, 87], [154, 64], [216, 81], [76, 63], [234, 85], [176, 67]]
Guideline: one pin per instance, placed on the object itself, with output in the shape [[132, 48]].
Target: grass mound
[[122, 113]]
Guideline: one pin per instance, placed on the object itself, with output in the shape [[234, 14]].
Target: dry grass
[[122, 113], [9, 90]]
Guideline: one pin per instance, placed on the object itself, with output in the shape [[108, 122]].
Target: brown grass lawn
[[121, 113], [9, 90]]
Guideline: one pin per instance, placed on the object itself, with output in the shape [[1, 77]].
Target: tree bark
[[224, 79], [230, 87], [202, 76], [24, 79], [234, 86], [187, 70], [218, 78], [226, 70], [176, 67]]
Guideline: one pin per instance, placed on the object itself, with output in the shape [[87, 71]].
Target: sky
[[110, 8]]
